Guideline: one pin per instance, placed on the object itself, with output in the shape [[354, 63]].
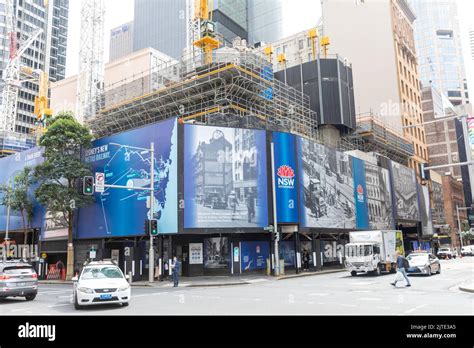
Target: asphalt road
[[336, 293]]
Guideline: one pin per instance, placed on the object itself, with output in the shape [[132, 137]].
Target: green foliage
[[467, 235], [61, 173], [16, 196]]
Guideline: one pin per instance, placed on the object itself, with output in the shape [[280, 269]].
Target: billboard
[[425, 210], [406, 197], [122, 212], [286, 180], [326, 186], [225, 177], [360, 193], [10, 167], [379, 197], [254, 255]]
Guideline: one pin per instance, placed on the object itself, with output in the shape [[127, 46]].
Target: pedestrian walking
[[175, 267], [233, 203], [251, 205], [402, 265], [306, 259]]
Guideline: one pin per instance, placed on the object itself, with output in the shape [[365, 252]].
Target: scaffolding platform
[[236, 90], [371, 135], [11, 143]]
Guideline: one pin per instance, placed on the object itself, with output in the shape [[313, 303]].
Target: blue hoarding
[[254, 255], [122, 212], [360, 193], [225, 177], [10, 167], [285, 178]]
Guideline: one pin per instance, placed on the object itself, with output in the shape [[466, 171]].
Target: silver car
[[423, 263], [18, 279]]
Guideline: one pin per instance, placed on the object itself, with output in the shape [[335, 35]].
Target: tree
[[61, 173], [16, 196]]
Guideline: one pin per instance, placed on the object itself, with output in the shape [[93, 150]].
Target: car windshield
[[101, 272], [416, 257]]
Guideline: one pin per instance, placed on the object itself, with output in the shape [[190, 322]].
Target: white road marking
[[318, 294], [364, 283], [360, 291], [22, 309], [256, 280], [59, 305], [382, 307], [411, 310], [369, 298], [66, 296], [347, 305]]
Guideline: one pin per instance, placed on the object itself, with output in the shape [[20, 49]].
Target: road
[[335, 293]]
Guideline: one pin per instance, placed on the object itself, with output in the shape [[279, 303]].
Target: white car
[[467, 250], [101, 282]]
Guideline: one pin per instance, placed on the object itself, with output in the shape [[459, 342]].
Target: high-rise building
[[471, 42], [121, 41], [56, 46], [47, 53], [163, 24], [439, 48], [386, 82]]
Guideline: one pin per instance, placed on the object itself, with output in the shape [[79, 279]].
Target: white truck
[[373, 251]]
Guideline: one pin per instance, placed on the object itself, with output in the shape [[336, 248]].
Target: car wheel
[[76, 304], [125, 304], [30, 297], [439, 269], [377, 272], [353, 273], [393, 269], [429, 272]]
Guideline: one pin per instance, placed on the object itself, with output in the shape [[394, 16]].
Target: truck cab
[[362, 257]]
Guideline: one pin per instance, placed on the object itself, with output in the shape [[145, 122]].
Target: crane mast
[[203, 30], [12, 72]]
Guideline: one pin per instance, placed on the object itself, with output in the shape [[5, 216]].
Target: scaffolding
[[11, 143], [372, 135], [236, 90]]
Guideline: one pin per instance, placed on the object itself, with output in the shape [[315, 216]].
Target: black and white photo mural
[[328, 187], [406, 195], [379, 197]]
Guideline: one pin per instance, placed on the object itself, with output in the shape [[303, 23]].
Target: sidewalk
[[208, 281]]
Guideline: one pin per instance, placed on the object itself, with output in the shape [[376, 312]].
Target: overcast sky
[[298, 15]]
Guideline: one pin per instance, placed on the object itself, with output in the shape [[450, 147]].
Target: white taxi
[[101, 282]]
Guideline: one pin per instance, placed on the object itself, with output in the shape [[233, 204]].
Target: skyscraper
[[377, 37], [48, 52], [439, 48], [56, 45], [121, 41], [163, 24]]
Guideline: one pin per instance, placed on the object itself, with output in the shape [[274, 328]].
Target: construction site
[[236, 90]]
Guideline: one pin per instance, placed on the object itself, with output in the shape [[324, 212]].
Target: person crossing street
[[402, 265]]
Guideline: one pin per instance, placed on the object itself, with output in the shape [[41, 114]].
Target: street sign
[[99, 182]]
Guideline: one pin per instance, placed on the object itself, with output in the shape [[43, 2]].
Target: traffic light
[[146, 227], [154, 227], [88, 186]]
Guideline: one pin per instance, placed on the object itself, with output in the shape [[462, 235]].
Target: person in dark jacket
[[401, 268], [175, 266]]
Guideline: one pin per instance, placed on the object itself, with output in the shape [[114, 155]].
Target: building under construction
[[372, 135], [237, 90]]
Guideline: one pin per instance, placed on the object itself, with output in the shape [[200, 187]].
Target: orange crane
[[207, 30]]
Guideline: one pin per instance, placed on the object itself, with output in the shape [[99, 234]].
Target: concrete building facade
[[387, 52], [453, 195], [125, 78]]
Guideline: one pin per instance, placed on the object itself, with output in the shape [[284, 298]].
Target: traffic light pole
[[275, 224], [151, 256]]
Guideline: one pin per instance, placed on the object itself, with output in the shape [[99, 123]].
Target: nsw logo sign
[[286, 177], [360, 193]]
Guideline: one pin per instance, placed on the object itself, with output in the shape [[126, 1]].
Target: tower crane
[[13, 72], [207, 40]]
